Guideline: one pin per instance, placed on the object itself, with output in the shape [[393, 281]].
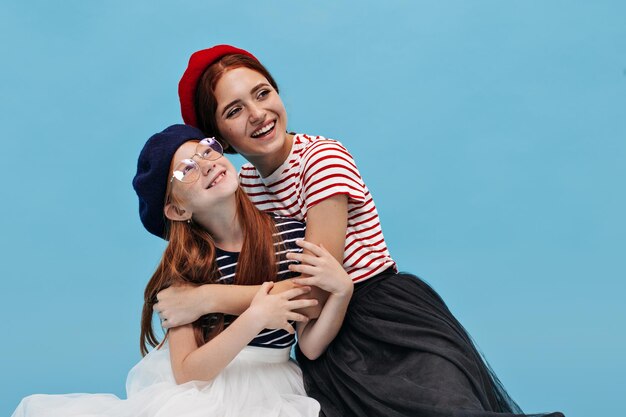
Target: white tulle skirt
[[258, 382]]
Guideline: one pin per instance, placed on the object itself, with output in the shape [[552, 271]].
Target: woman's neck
[[267, 164]]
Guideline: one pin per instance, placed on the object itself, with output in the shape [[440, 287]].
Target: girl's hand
[[274, 311], [180, 304], [322, 269]]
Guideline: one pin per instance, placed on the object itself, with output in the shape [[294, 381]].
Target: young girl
[[400, 351], [219, 365]]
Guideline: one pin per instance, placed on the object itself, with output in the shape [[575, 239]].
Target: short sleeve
[[328, 169]]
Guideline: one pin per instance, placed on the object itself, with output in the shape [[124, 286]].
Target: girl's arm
[[190, 362], [327, 222], [322, 270], [184, 304]]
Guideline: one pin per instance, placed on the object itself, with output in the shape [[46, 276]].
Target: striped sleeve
[[328, 169]]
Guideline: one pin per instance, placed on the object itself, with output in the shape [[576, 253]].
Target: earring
[[188, 221]]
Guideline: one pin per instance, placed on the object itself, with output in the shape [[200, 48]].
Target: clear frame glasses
[[188, 170]]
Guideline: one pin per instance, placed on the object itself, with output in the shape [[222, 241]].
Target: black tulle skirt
[[401, 352]]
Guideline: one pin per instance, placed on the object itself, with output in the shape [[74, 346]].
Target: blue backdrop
[[491, 133]]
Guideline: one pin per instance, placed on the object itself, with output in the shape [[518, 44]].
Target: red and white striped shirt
[[316, 169]]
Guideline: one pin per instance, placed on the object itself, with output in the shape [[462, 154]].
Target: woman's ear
[[176, 213]]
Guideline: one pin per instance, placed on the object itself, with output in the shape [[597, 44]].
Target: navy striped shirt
[[289, 231]]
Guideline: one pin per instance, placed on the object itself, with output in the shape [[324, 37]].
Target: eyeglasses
[[188, 170]]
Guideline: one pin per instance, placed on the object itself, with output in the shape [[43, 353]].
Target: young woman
[[400, 351], [219, 365]]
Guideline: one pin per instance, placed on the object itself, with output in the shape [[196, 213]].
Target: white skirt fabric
[[258, 382]]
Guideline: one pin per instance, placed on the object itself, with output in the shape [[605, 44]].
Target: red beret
[[188, 84]]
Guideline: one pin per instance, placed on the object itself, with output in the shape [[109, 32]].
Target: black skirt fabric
[[400, 352]]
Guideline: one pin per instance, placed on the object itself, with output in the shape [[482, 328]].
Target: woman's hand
[[275, 311], [323, 269], [324, 272], [181, 304]]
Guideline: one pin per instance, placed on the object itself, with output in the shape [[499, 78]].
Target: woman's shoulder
[[307, 140], [309, 145]]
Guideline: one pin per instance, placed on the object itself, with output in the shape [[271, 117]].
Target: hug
[[288, 252]]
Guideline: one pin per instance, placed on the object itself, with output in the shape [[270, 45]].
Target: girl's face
[[251, 118], [217, 184]]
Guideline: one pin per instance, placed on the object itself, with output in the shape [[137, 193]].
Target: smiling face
[[214, 189], [251, 117]]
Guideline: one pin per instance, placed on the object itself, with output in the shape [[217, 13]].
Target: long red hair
[[189, 258], [205, 101]]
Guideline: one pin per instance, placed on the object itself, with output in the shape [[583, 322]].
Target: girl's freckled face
[[251, 116], [217, 180]]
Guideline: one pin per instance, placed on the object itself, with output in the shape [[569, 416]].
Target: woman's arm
[[323, 271], [184, 304], [272, 311], [327, 223]]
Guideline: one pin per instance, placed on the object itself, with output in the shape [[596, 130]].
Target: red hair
[[189, 258], [205, 102]]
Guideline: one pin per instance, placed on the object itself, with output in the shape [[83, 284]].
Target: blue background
[[491, 133]]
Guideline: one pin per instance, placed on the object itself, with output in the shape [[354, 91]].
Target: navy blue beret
[[153, 168]]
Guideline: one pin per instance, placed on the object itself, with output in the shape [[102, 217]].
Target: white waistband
[[268, 355]]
